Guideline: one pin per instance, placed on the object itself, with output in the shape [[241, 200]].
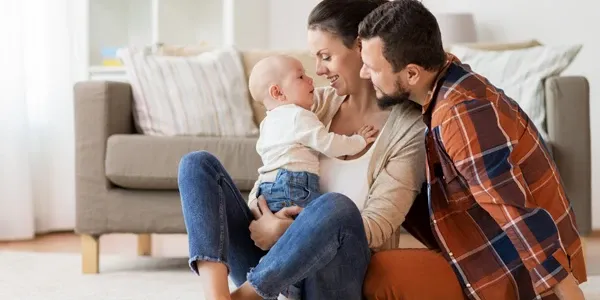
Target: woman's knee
[[196, 160], [337, 206]]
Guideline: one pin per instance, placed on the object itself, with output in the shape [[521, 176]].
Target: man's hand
[[289, 213], [269, 227]]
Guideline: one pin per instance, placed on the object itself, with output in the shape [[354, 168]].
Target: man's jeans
[[324, 251]]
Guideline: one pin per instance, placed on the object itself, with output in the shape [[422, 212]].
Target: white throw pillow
[[204, 95], [521, 73]]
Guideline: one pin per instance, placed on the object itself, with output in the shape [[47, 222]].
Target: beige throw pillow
[[203, 95]]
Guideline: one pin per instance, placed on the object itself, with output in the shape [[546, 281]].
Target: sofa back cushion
[[251, 57], [495, 46], [521, 73]]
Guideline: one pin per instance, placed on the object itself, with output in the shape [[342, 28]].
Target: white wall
[[247, 23], [104, 33], [288, 23], [551, 22], [182, 21]]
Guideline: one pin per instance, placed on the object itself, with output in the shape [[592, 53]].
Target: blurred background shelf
[[112, 24], [111, 73]]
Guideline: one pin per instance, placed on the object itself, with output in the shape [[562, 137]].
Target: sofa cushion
[[251, 57], [549, 146], [498, 46], [151, 162]]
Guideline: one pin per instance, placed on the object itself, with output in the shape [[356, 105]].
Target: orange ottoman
[[411, 274]]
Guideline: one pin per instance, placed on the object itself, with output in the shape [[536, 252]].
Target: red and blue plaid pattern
[[497, 205]]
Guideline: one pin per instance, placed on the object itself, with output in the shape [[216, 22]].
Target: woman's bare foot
[[214, 280], [245, 292]]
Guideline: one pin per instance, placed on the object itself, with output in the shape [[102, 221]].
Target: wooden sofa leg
[[144, 246], [90, 254]]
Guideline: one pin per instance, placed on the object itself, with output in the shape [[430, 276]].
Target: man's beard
[[400, 96]]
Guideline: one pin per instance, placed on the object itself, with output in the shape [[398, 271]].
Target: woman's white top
[[348, 177]]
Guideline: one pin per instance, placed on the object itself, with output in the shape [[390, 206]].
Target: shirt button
[[468, 285], [450, 253], [434, 221]]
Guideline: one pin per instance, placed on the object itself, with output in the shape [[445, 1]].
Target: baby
[[291, 136]]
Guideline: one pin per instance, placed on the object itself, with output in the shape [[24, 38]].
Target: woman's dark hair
[[341, 17], [410, 34]]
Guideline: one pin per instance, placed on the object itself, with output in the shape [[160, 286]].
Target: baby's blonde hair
[[266, 72]]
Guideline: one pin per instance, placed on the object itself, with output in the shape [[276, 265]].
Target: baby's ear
[[276, 93]]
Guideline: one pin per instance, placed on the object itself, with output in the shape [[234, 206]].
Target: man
[[497, 206]]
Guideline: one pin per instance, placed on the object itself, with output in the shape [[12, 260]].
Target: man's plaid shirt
[[497, 206]]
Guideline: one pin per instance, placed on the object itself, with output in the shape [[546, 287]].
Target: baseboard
[[595, 233]]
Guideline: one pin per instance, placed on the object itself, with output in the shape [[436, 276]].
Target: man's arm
[[480, 139], [312, 133]]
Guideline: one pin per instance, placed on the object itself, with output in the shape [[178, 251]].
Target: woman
[[324, 253]]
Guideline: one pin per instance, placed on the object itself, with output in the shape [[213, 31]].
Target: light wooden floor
[[176, 246], [162, 245]]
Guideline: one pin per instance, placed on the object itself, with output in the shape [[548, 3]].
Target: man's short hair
[[410, 34]]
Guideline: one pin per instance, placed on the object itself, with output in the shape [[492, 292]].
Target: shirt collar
[[439, 80]]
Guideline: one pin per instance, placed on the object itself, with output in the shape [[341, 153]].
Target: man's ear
[[413, 73], [275, 93], [358, 44]]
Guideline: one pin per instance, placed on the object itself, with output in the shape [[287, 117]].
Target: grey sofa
[[127, 182]]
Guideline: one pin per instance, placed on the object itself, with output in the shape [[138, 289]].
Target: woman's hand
[[254, 209], [267, 227]]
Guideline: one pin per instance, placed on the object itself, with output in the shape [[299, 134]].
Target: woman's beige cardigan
[[396, 170]]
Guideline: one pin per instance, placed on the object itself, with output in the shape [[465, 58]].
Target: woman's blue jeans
[[324, 251]]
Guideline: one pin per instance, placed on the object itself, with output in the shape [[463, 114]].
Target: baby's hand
[[368, 132]]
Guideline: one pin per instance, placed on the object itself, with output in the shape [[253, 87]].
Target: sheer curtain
[[39, 62]]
